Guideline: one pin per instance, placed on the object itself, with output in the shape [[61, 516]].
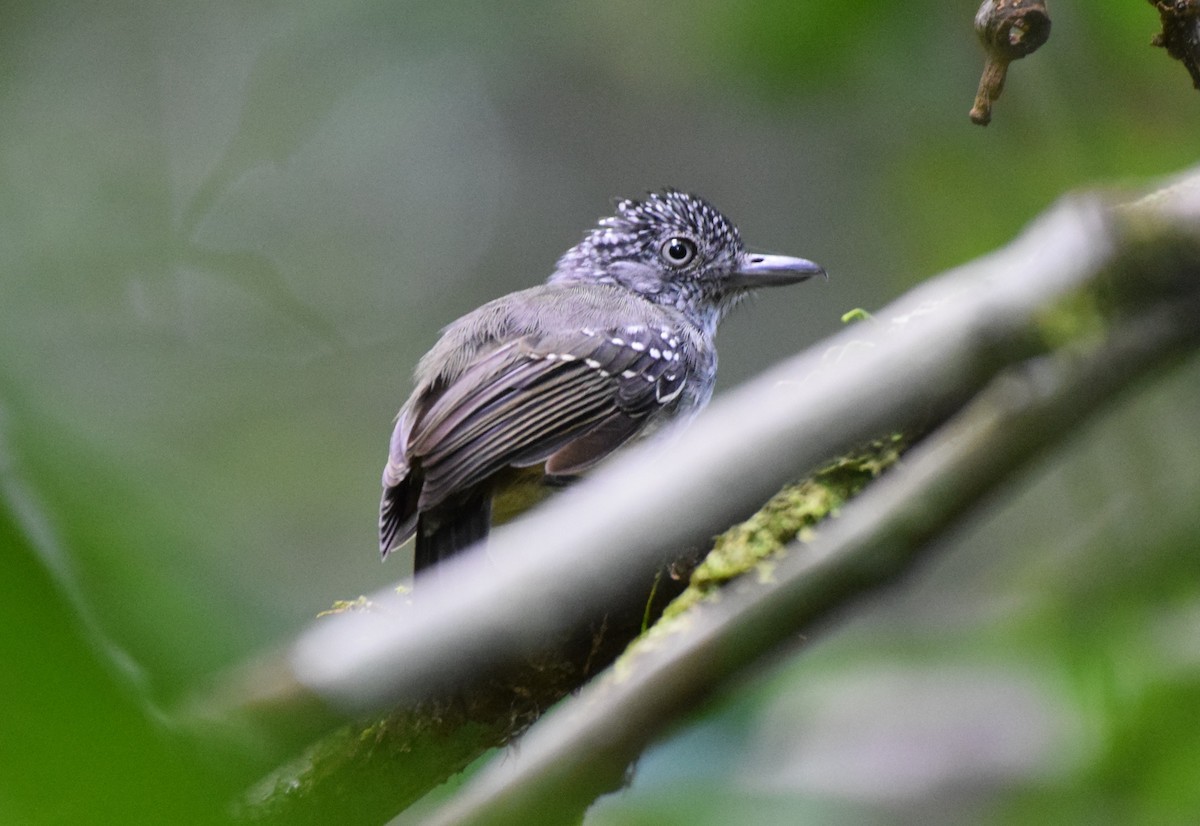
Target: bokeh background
[[228, 231]]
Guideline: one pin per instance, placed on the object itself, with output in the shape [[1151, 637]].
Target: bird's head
[[677, 249]]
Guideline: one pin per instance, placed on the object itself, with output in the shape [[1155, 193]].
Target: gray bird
[[534, 388]]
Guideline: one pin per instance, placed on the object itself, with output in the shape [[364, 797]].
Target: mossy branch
[[368, 772]]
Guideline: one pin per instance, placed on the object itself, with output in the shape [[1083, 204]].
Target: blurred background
[[229, 230]]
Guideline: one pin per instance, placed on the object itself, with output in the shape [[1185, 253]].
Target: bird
[[533, 389]]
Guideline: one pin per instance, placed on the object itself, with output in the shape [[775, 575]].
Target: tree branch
[[1180, 34]]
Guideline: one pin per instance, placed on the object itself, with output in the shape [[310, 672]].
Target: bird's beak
[[773, 270]]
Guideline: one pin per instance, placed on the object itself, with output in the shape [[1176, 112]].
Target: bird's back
[[553, 378]]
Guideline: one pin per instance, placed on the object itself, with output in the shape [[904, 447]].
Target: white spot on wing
[[670, 397]]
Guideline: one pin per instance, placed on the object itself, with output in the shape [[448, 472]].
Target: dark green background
[[228, 230]]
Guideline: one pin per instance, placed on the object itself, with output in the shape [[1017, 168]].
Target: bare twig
[[1180, 34], [1008, 30]]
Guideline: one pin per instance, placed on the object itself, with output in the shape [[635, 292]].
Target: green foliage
[[79, 742]]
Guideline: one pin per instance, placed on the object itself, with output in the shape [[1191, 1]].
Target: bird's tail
[[451, 527]]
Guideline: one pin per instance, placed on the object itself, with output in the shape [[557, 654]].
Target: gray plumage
[[617, 343]]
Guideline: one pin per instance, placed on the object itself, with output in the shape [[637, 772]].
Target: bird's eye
[[678, 252]]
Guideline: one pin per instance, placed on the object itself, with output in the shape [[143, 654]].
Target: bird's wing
[[566, 398]]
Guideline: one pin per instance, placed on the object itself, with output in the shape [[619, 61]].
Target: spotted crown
[[639, 228]]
